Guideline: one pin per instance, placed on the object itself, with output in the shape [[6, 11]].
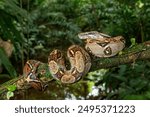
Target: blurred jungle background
[[30, 29]]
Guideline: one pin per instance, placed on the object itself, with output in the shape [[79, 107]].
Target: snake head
[[30, 75], [35, 82]]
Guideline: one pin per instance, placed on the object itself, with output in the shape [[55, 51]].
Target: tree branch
[[122, 59]]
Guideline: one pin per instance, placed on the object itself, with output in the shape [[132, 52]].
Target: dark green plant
[[128, 81], [54, 22], [11, 23], [7, 64], [130, 19]]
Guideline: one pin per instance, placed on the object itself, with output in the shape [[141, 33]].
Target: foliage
[[5, 61], [54, 26], [11, 19], [128, 81], [130, 19], [9, 94], [11, 89]]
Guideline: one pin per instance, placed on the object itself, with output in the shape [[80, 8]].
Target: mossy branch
[[130, 55]]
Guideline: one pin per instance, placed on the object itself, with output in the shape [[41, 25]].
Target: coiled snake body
[[98, 44], [80, 64]]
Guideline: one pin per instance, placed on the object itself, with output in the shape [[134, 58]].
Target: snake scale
[[97, 44]]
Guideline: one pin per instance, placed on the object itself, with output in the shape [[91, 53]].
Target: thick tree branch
[[123, 59]]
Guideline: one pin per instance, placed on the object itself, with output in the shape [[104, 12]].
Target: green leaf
[[7, 64], [10, 94], [139, 4], [133, 42], [90, 85], [11, 88]]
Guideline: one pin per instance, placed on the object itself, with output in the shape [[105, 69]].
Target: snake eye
[[31, 77]]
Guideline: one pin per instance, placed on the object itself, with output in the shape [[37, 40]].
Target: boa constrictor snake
[[98, 44]]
